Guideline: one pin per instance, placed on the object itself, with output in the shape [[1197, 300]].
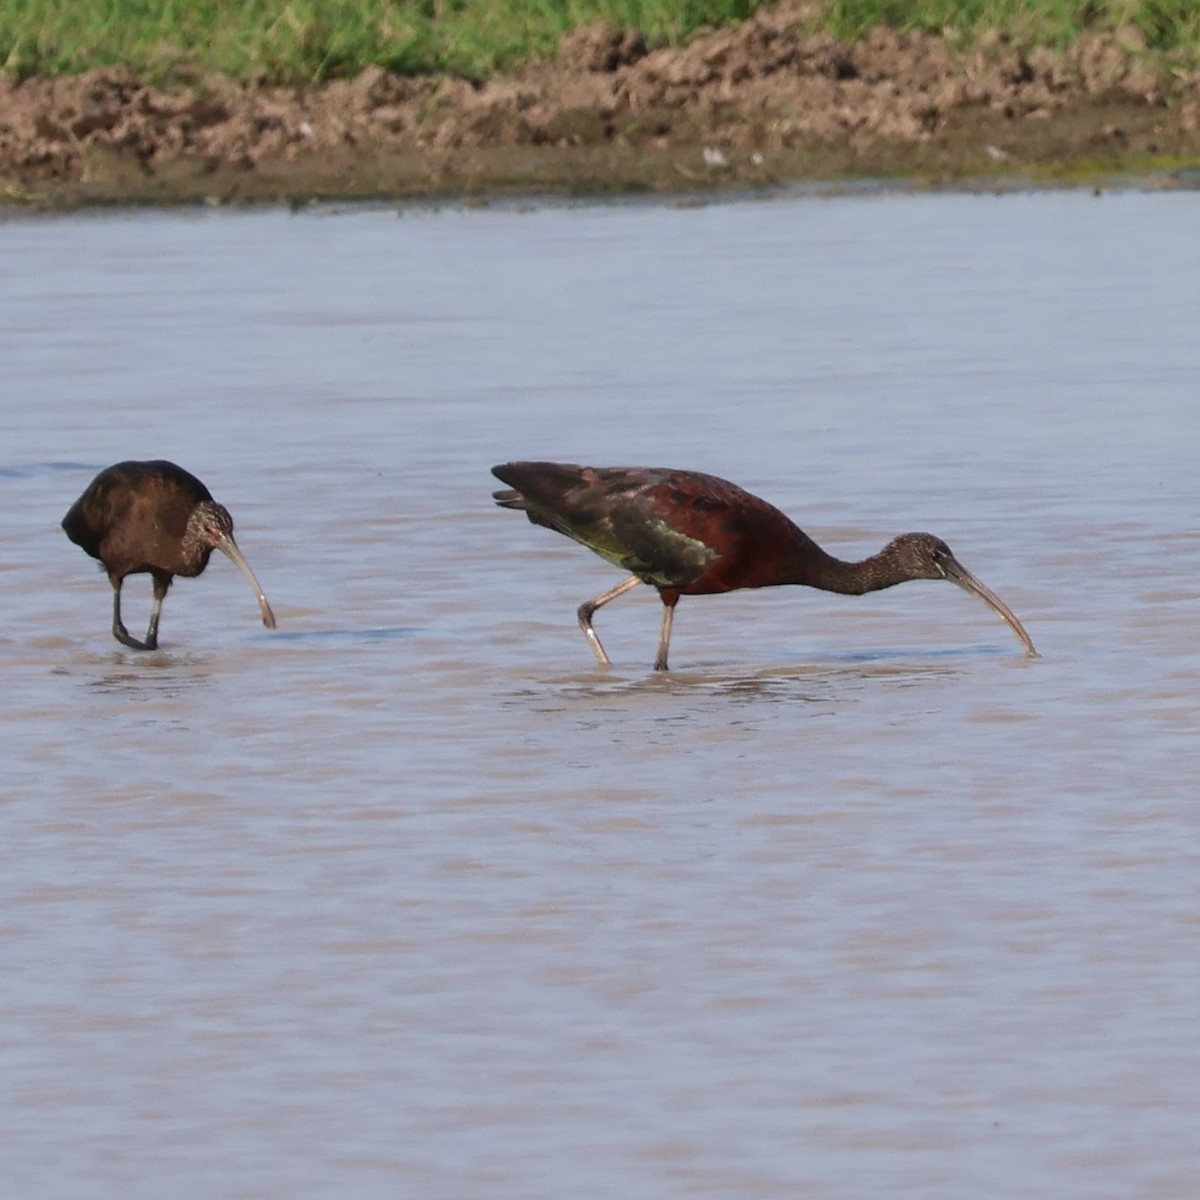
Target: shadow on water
[[882, 657], [153, 677], [338, 637], [809, 683], [41, 470]]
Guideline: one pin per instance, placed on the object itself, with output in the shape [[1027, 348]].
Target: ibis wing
[[702, 534], [133, 504], [649, 521], [99, 510], [655, 547]]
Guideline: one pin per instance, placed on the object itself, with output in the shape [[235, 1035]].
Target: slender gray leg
[[664, 638], [588, 610], [118, 628], [160, 594]]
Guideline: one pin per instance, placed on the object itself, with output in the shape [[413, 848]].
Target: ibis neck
[[832, 574]]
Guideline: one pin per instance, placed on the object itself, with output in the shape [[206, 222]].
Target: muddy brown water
[[408, 899]]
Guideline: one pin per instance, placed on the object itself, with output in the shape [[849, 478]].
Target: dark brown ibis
[[153, 518], [689, 534]]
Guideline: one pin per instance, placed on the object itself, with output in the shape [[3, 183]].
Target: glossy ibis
[[153, 518], [689, 534]]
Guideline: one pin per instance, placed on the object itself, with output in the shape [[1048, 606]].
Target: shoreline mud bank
[[770, 101]]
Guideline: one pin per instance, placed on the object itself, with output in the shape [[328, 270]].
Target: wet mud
[[773, 100]]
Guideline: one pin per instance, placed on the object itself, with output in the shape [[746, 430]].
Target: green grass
[[1166, 24], [314, 40], [308, 41]]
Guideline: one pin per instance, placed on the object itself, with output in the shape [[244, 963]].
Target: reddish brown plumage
[[691, 534], [153, 518]]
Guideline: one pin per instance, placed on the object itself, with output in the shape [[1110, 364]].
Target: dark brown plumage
[[689, 534], [153, 518]]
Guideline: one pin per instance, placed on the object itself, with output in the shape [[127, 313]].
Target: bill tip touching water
[[690, 534], [154, 518]]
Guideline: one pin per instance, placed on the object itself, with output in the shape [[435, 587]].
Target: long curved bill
[[228, 547], [959, 574]]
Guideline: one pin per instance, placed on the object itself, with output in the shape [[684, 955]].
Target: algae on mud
[[773, 98]]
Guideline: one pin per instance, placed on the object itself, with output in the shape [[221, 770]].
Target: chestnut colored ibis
[[689, 534], [153, 518]]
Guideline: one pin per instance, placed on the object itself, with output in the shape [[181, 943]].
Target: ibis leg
[[118, 627], [588, 610], [664, 638], [160, 594]]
